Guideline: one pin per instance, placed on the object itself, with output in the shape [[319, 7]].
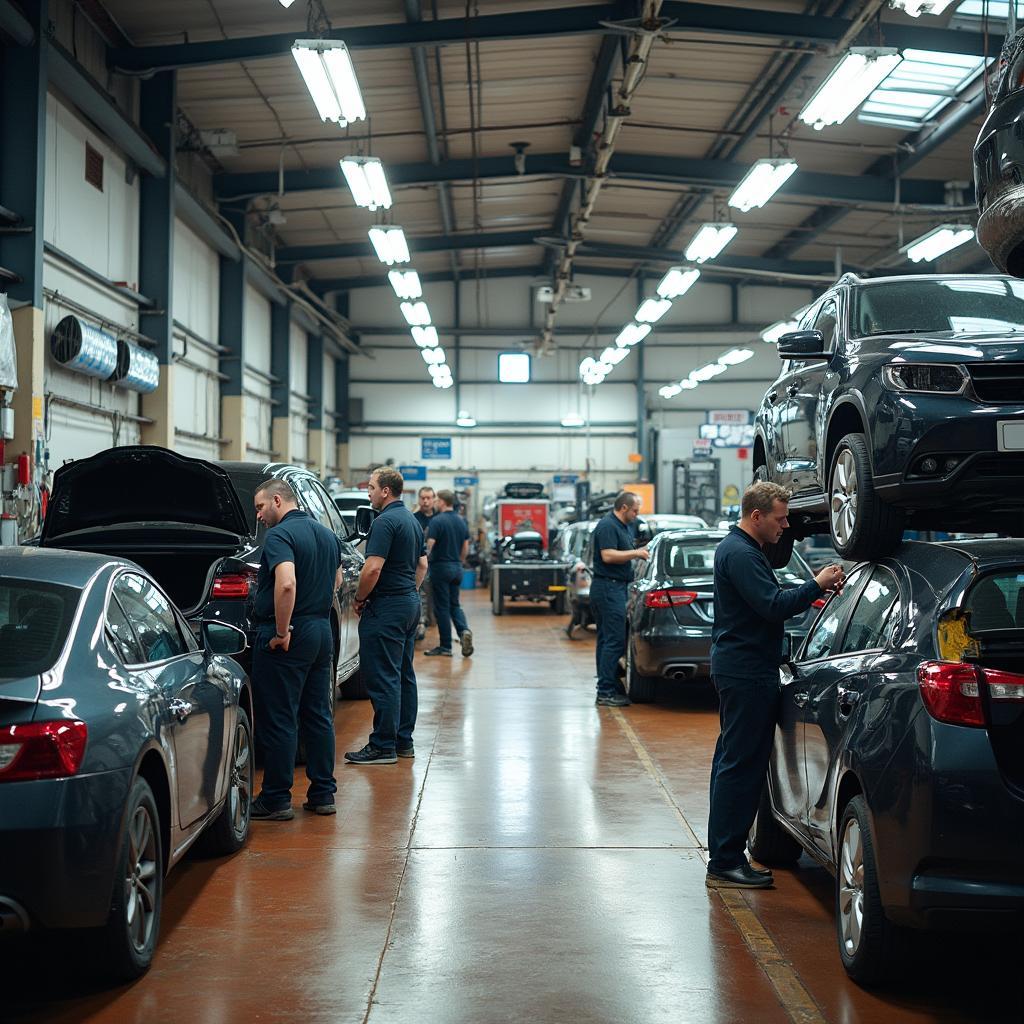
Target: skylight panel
[[998, 10], [919, 87]]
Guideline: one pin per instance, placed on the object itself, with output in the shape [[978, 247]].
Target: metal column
[[641, 396], [158, 109], [231, 329], [341, 418], [281, 387], [318, 453]]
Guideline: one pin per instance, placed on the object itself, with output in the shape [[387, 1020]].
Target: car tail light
[[233, 584], [41, 750], [951, 692], [820, 602], [669, 598], [1004, 685]]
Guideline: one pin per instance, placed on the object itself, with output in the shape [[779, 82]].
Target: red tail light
[[1004, 685], [951, 692], [41, 750], [820, 603], [668, 598], [233, 584]]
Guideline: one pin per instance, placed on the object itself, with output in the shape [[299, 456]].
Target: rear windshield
[[34, 622], [996, 602], [685, 558]]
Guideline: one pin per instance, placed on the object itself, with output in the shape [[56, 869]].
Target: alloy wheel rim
[[240, 795], [141, 880], [843, 503], [851, 888]]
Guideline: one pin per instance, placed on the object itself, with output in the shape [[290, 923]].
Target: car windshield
[[996, 602], [687, 557], [35, 619], [984, 305]]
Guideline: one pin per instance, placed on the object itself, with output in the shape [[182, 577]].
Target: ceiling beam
[[14, 25], [722, 21], [568, 332], [687, 171]]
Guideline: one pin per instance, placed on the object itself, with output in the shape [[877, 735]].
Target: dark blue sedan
[[898, 761], [123, 741]]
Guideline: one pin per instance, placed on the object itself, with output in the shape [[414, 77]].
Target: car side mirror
[[643, 531], [223, 638], [365, 516], [802, 343]]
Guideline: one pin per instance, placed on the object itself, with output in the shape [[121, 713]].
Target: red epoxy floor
[[533, 864]]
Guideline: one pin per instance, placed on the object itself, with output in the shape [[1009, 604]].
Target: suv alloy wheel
[[863, 527]]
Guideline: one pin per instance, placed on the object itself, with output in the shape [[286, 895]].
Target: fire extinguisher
[[24, 470]]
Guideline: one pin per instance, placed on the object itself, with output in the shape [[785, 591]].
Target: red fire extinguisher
[[24, 470]]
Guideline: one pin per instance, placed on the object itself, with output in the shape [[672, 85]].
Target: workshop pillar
[[232, 362], [281, 389], [341, 419], [317, 447]]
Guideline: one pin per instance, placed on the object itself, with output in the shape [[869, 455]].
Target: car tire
[[870, 945], [128, 940], [862, 526], [767, 842], [228, 832], [778, 554], [639, 688]]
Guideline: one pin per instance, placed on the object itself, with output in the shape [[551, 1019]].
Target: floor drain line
[[794, 997]]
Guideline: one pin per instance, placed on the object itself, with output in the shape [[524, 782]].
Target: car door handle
[[800, 699], [792, 389], [181, 709], [772, 396]]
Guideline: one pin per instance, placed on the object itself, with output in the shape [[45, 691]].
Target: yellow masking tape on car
[[955, 640], [558, 588]]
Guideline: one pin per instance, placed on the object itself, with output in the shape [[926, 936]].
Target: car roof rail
[[849, 278]]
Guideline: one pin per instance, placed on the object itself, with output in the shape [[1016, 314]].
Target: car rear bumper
[[672, 656], [58, 847], [940, 901]]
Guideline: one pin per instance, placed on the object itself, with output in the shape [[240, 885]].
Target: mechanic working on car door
[[747, 638], [292, 657], [614, 549], [388, 607], [447, 547]]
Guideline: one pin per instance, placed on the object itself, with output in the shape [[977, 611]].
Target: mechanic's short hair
[[424, 490], [762, 497], [625, 499], [277, 488], [389, 477], [448, 497]]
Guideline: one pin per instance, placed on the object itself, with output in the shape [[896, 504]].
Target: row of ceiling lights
[[327, 69]]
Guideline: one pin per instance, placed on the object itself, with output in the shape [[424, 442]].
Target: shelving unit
[[697, 488]]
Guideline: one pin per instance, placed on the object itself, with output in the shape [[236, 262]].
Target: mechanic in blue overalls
[[388, 604]]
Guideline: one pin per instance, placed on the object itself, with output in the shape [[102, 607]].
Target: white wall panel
[[196, 283], [257, 329]]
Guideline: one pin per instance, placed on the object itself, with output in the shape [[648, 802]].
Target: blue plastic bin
[[469, 579]]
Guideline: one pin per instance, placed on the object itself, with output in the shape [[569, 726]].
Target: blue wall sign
[[466, 481], [565, 478], [413, 472], [435, 448]]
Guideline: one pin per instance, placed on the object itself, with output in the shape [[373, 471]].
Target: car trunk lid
[[18, 698]]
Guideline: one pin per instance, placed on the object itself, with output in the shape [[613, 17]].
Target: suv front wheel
[[863, 527]]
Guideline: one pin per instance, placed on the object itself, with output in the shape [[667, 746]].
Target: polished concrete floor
[[540, 861]]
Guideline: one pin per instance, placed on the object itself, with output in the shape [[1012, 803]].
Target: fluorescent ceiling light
[[425, 337], [736, 356], [709, 241], [937, 242], [406, 283], [416, 313], [849, 83], [670, 391], [444, 383], [514, 368], [919, 88], [330, 77], [366, 181], [707, 372], [390, 245], [287, 3], [918, 7], [652, 310], [439, 370], [614, 356], [677, 281], [432, 355], [572, 419], [777, 330], [688, 385], [631, 334], [464, 419], [760, 183], [591, 371]]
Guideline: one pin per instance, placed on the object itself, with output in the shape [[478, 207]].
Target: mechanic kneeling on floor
[[751, 609]]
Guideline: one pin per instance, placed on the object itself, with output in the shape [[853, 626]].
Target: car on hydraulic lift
[[900, 405], [898, 758]]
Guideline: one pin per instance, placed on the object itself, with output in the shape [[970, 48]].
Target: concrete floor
[[540, 861]]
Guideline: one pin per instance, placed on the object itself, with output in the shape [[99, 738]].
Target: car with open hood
[[900, 405], [192, 525]]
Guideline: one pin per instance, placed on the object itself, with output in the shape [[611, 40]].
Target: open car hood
[[141, 484]]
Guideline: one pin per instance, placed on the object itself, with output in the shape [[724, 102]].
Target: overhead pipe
[[635, 66]]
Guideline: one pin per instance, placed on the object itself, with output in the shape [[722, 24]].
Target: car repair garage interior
[[627, 397]]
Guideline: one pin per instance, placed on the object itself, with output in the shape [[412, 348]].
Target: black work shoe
[[467, 642], [438, 652], [405, 752], [742, 877], [320, 808], [613, 700], [420, 633], [767, 872], [371, 755], [261, 812]]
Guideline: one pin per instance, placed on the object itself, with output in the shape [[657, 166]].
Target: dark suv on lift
[[900, 405]]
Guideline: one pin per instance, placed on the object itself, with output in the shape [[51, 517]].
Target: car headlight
[[940, 378]]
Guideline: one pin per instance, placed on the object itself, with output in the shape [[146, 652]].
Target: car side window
[[152, 618], [310, 500], [334, 522], [125, 641], [821, 642], [871, 617]]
